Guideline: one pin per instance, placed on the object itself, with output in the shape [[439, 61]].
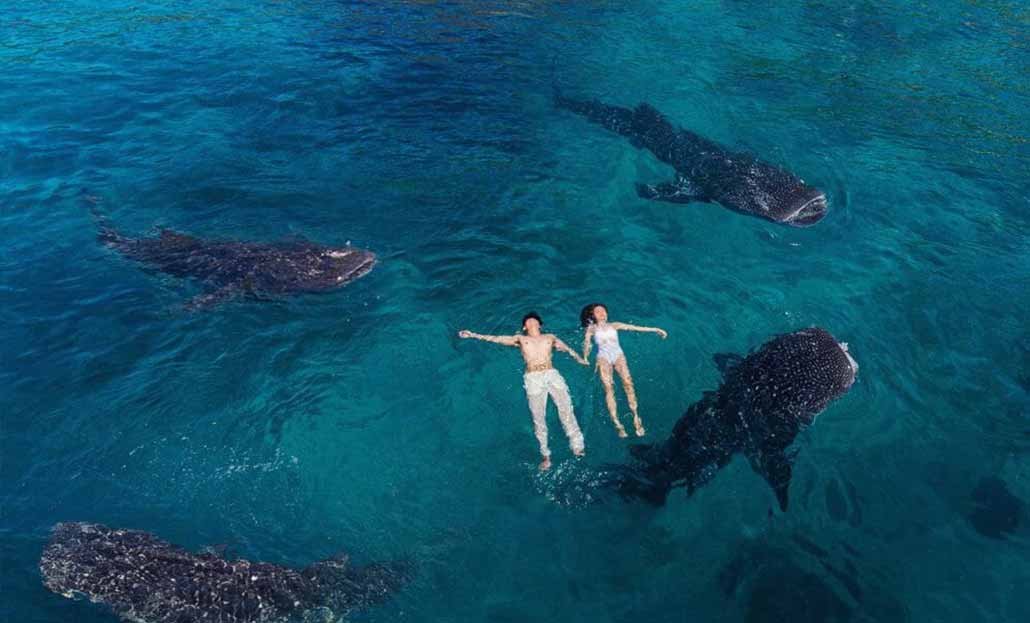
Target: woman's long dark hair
[[586, 317]]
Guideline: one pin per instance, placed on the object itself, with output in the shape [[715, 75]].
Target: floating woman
[[594, 318]]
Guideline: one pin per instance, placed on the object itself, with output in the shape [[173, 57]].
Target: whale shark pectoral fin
[[213, 298], [777, 468], [726, 361], [221, 550], [643, 451], [329, 570], [681, 190]]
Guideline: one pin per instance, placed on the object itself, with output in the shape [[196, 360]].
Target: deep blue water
[[356, 420]]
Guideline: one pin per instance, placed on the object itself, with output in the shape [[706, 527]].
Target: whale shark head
[[347, 264], [790, 201], [811, 208], [772, 192], [795, 376], [318, 269]]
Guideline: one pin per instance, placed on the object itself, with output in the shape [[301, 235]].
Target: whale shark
[[143, 579], [705, 171], [764, 401], [229, 268]]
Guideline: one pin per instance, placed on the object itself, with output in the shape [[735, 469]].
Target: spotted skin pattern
[[231, 268], [706, 171], [764, 401], [143, 579]]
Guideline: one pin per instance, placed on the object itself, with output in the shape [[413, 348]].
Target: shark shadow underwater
[[764, 401], [705, 171], [228, 269], [146, 580]]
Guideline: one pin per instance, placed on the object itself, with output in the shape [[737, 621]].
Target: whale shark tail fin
[[106, 233], [613, 118]]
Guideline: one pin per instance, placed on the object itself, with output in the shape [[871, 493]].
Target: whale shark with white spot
[[228, 268], [143, 579], [764, 401], [706, 171]]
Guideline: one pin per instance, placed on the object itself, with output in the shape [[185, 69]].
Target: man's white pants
[[538, 386]]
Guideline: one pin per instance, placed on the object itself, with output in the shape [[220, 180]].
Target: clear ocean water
[[293, 429]]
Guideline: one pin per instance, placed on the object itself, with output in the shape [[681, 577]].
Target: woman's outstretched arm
[[563, 347], [622, 326], [586, 342]]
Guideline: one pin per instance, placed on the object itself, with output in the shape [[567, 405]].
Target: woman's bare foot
[[579, 453], [545, 464], [621, 431], [639, 426]]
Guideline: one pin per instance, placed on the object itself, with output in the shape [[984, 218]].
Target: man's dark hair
[[586, 317], [534, 316]]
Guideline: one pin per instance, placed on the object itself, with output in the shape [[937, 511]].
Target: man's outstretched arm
[[504, 340], [560, 345]]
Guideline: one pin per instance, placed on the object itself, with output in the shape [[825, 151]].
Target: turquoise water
[[357, 420]]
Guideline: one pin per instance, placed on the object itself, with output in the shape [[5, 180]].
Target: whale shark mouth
[[851, 361], [359, 271], [810, 213]]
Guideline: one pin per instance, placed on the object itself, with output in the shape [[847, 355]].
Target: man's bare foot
[[639, 426], [621, 431], [579, 453], [545, 464]]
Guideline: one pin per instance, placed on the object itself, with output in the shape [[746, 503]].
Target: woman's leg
[[631, 393], [605, 370]]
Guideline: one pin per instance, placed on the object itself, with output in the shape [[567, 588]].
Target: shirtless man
[[542, 379]]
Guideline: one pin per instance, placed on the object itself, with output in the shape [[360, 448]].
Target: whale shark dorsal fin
[[726, 361], [170, 237], [648, 113]]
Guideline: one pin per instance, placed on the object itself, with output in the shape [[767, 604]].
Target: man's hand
[[662, 334], [504, 340]]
